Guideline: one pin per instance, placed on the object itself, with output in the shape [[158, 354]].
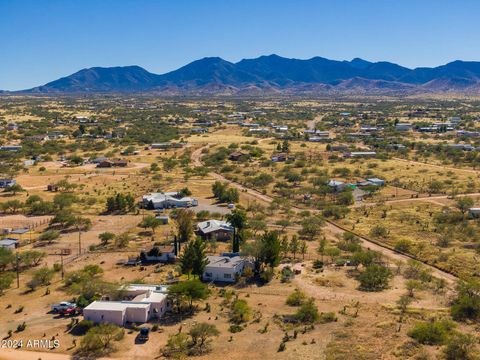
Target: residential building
[[215, 230], [9, 243], [337, 185], [403, 127], [145, 302], [361, 154], [224, 268], [376, 181], [167, 200], [161, 254]]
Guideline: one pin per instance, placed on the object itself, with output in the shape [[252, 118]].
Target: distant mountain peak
[[272, 74]]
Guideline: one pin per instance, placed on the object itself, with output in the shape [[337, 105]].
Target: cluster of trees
[[224, 193], [25, 260], [87, 284], [120, 203]]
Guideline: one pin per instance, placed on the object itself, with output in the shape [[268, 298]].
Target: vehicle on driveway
[[64, 305], [143, 335]]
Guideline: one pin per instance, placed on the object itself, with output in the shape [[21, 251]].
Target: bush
[[375, 278], [432, 332], [317, 264], [99, 340], [235, 328], [83, 326], [240, 312], [460, 347], [307, 313], [327, 317], [296, 298]]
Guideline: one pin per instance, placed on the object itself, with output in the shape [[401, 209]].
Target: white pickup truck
[[64, 305]]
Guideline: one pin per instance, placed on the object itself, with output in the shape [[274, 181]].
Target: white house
[[362, 154], [376, 181], [9, 243], [474, 212], [337, 185], [403, 126], [147, 302], [223, 268], [168, 200]]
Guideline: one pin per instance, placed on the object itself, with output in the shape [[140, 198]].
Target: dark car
[[143, 335]]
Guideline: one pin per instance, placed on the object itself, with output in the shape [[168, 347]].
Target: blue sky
[[42, 40]]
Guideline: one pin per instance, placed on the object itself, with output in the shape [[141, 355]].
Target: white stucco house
[[224, 268], [145, 302], [168, 200]]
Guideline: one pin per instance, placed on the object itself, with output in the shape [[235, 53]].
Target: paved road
[[332, 227]]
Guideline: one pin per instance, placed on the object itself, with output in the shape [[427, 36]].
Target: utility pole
[[17, 259], [61, 262], [79, 242]]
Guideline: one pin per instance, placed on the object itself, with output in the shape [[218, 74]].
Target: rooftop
[[214, 225], [224, 261]]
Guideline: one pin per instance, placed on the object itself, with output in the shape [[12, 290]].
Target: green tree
[[189, 291], [49, 236], [435, 332], [99, 340], [464, 203], [270, 249], [6, 280], [6, 258], [41, 277], [202, 333], [237, 219], [294, 246], [150, 222], [64, 200], [105, 237], [461, 347], [375, 278], [184, 224], [14, 189], [311, 227], [466, 306]]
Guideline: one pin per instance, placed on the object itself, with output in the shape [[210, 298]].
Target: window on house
[[208, 274], [227, 276]]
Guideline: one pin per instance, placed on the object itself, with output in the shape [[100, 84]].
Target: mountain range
[[272, 74]]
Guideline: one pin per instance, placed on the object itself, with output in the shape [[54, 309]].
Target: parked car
[[64, 305], [71, 311], [144, 334]]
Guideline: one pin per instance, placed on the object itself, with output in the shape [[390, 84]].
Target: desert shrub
[[307, 313], [434, 332], [296, 298], [83, 326], [99, 340], [240, 312], [327, 317]]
